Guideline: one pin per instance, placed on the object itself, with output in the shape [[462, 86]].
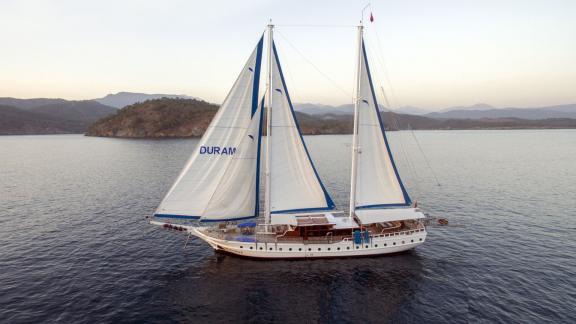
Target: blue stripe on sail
[[382, 206], [404, 192], [225, 219], [256, 83], [329, 202], [301, 210], [176, 216]]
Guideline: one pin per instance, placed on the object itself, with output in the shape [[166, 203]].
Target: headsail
[[378, 183], [220, 181], [294, 185]]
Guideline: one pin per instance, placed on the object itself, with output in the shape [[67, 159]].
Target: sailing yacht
[[220, 184]]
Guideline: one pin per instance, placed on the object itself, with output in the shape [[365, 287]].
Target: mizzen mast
[[355, 148]]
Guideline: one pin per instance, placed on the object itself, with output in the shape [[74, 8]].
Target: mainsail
[[220, 181], [378, 183], [294, 182]]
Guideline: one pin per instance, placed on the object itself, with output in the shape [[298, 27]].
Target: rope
[[315, 67]]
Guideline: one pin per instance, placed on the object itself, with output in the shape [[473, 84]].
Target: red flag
[[371, 18]]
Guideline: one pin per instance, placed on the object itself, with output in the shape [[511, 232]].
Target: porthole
[[366, 246], [347, 248], [290, 249], [357, 247], [319, 249], [338, 249], [280, 249], [402, 242], [385, 244], [241, 247], [420, 239], [270, 249], [394, 243], [328, 249], [309, 249], [260, 248], [251, 248], [299, 249], [375, 245], [412, 241]]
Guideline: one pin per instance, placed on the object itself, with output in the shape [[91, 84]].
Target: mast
[[267, 199], [355, 148]]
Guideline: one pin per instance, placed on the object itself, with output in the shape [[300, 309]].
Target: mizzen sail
[[378, 183]]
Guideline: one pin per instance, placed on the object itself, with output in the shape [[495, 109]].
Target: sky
[[430, 54]]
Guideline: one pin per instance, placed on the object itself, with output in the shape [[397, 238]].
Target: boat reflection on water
[[228, 288]]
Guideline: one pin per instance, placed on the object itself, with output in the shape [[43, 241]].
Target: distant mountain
[[318, 109], [123, 99], [188, 118], [29, 103], [478, 106], [564, 111], [16, 121], [411, 110], [49, 116]]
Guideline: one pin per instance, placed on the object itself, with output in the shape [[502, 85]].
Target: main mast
[[355, 148], [267, 199]]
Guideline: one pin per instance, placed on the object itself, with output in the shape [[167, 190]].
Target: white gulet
[[221, 181]]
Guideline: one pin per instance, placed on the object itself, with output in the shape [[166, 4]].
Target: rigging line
[[409, 127], [315, 67], [395, 122], [317, 26], [424, 155]]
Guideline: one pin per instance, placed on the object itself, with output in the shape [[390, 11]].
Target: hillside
[[49, 116], [164, 117], [188, 118], [15, 121]]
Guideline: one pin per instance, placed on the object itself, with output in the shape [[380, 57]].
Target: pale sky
[[437, 53]]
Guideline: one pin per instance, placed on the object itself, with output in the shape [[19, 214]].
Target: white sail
[[294, 183], [219, 180], [377, 181]]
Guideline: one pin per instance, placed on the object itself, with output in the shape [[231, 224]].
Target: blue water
[[75, 248]]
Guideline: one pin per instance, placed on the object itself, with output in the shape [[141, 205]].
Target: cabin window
[[290, 249], [319, 249], [347, 248], [270, 249], [420, 239], [357, 247], [309, 249], [394, 243], [376, 245], [280, 249], [412, 241], [241, 247], [328, 249], [338, 249], [366, 246], [251, 248], [299, 249], [402, 242], [260, 248], [385, 244]]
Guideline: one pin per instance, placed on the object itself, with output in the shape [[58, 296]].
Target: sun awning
[[370, 216]]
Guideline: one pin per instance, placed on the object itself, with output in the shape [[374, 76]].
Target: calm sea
[[75, 248]]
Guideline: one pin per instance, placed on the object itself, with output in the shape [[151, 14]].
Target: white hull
[[378, 245]]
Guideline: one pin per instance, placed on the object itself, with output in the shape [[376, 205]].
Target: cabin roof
[[371, 216], [314, 219]]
